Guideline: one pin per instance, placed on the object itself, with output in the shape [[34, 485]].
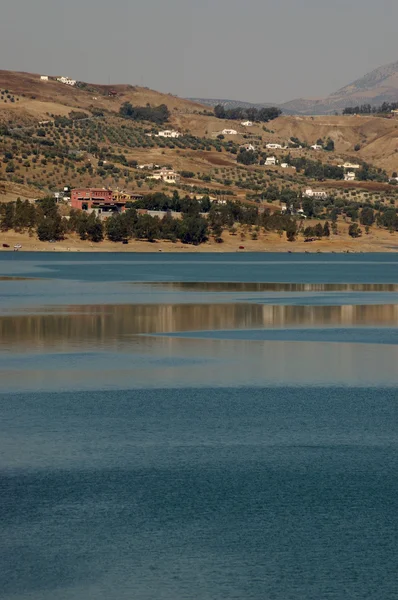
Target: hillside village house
[[270, 161], [229, 132], [247, 124], [101, 200], [274, 146], [350, 166], [149, 167], [310, 193], [166, 175], [169, 133], [63, 195], [43, 77], [316, 147], [349, 171], [248, 147], [67, 81]]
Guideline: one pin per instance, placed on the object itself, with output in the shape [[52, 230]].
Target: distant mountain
[[378, 86]]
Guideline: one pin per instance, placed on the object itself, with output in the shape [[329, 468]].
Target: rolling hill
[[55, 135]]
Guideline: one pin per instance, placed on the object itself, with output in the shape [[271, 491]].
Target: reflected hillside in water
[[107, 325], [232, 286]]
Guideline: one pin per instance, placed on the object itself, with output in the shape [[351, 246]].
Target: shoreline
[[380, 241]]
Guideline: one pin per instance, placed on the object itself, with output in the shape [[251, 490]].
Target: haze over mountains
[[378, 86]]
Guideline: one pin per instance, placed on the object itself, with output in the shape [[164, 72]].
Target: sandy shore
[[378, 240]]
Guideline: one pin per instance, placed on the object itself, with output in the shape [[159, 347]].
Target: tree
[[50, 228], [193, 230], [329, 146], [7, 216], [309, 207], [247, 157], [309, 233], [367, 216], [326, 230], [354, 230], [219, 111], [318, 230], [147, 227], [117, 229], [291, 231], [95, 229]]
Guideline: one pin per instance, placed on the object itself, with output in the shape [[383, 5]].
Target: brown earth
[[378, 240], [377, 136]]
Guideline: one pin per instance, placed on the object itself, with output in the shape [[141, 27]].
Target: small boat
[[17, 247]]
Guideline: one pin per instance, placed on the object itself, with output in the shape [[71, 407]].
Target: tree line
[[262, 115], [368, 109], [157, 114], [44, 219]]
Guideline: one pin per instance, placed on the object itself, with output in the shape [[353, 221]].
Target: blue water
[[198, 442], [250, 267]]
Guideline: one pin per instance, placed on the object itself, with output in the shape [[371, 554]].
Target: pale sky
[[252, 50]]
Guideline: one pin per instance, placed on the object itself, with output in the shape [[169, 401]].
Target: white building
[[229, 132], [166, 175], [43, 77], [270, 161], [169, 133], [284, 165], [349, 176], [148, 167], [310, 193], [217, 200], [274, 146], [316, 147], [350, 166], [67, 81], [247, 124]]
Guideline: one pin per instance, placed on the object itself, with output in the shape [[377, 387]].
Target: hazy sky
[[254, 50]]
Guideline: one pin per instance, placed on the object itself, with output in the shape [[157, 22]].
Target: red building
[[86, 198], [101, 201]]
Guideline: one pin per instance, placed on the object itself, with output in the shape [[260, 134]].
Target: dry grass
[[377, 241]]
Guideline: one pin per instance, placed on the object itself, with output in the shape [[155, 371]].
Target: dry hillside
[[40, 155]]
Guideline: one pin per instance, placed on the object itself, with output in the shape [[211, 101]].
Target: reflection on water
[[233, 286], [167, 362], [16, 278], [107, 324]]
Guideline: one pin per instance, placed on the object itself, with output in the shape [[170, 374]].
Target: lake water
[[198, 427]]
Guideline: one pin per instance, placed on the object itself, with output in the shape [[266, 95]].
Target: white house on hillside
[[274, 146], [316, 147], [43, 77], [310, 193], [166, 175], [169, 133], [350, 166], [248, 147], [247, 124], [349, 176], [270, 161], [67, 81], [229, 132]]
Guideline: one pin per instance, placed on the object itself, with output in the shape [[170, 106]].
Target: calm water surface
[[205, 427]]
